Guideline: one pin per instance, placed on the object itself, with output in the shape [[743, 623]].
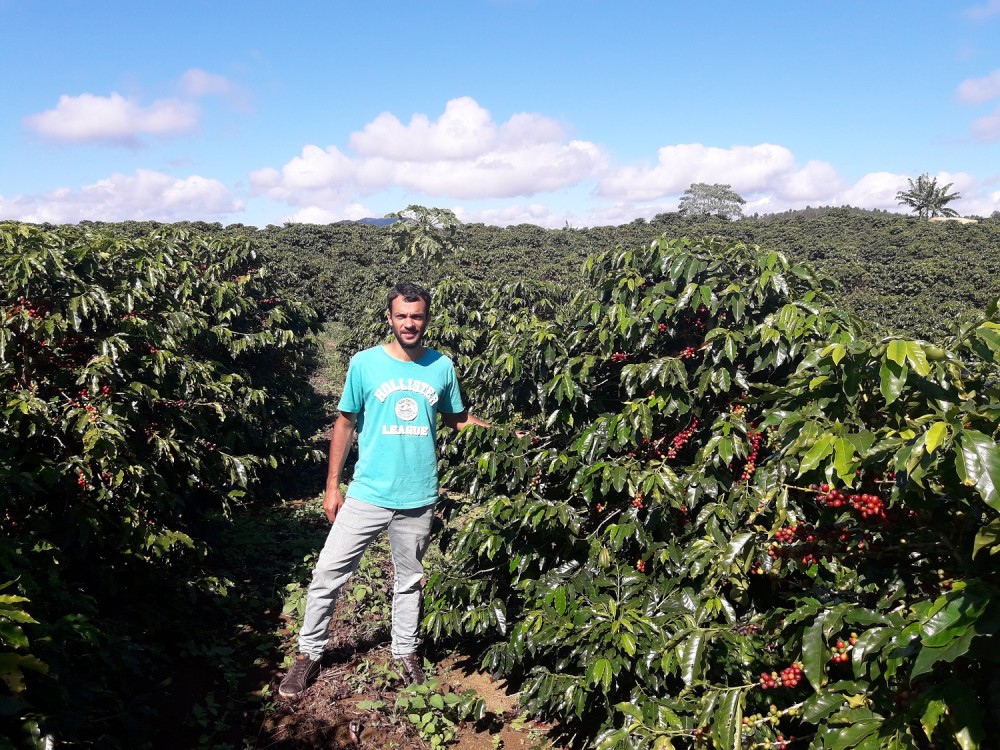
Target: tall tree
[[926, 198], [424, 233], [702, 199]]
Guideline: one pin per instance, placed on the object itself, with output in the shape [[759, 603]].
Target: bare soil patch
[[335, 711]]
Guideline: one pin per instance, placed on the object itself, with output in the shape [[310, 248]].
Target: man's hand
[[340, 442], [333, 501], [461, 419]]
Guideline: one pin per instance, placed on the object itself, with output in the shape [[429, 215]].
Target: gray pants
[[356, 526]]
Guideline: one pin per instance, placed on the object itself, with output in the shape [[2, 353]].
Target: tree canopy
[[926, 198], [702, 199]]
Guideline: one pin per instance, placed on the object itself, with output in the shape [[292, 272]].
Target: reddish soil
[[328, 716]]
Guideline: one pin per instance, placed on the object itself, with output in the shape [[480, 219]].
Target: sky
[[548, 112]]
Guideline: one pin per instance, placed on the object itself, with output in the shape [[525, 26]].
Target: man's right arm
[[340, 445]]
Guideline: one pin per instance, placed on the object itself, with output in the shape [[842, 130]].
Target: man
[[391, 398]]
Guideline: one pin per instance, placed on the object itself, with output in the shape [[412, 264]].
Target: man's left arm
[[461, 419]]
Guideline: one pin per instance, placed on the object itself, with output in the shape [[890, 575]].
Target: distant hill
[[375, 222]]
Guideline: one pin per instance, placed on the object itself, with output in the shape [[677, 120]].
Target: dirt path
[[352, 705]]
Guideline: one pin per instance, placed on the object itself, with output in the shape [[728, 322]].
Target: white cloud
[[504, 216], [462, 155], [959, 181], [977, 198], [815, 181], [748, 169], [196, 82], [317, 215], [114, 119], [504, 173], [978, 90], [143, 195], [879, 189], [874, 190], [981, 12], [314, 169], [987, 129], [465, 131], [529, 154], [981, 204], [265, 179]]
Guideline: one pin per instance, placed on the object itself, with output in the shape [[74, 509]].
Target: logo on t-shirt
[[406, 409], [410, 384]]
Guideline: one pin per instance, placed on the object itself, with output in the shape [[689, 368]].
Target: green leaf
[[869, 641], [820, 450], [896, 352], [960, 608], [893, 378], [930, 655], [814, 653], [937, 432], [843, 738], [628, 643], [12, 635], [736, 545], [933, 714], [726, 450], [965, 714], [630, 709], [727, 724], [600, 673], [560, 600], [843, 462], [988, 537], [12, 667], [917, 359], [990, 336], [729, 349], [821, 705], [978, 465], [691, 658]]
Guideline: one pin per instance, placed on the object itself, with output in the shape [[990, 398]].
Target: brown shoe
[[413, 669], [299, 676]]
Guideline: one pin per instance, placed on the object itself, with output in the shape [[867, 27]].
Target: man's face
[[408, 321]]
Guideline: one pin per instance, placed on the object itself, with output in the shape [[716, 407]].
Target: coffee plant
[[15, 662], [735, 521], [150, 383]]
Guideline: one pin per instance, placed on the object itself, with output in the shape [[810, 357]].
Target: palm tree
[[926, 198]]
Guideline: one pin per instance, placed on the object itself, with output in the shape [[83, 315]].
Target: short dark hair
[[410, 292]]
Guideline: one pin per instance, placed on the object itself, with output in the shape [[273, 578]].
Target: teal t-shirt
[[397, 405]]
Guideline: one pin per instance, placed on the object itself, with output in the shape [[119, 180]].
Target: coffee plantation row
[[148, 384], [738, 523], [740, 518]]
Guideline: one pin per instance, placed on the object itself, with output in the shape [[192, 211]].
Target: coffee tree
[[149, 384], [735, 523]]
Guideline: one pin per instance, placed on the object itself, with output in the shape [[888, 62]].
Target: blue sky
[[549, 112]]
